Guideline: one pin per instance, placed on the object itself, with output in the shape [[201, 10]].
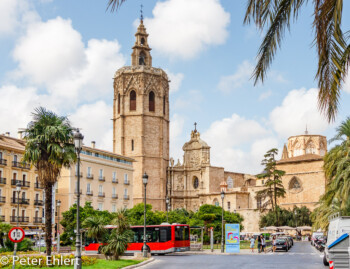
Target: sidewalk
[[218, 252]]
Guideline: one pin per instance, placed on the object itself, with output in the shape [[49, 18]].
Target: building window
[[100, 206], [258, 202], [229, 183], [151, 102], [132, 144], [310, 148], [195, 182], [89, 171], [114, 176], [164, 104], [125, 192], [132, 100], [0, 155], [118, 103], [297, 150], [114, 208], [142, 41], [15, 158], [100, 189], [228, 206], [126, 181], [114, 191], [322, 149], [14, 176], [24, 177], [88, 188], [101, 173], [294, 184], [142, 58], [216, 202]]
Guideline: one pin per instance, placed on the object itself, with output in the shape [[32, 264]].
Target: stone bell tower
[[141, 120]]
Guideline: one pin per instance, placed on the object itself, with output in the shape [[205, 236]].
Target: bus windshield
[[182, 233]]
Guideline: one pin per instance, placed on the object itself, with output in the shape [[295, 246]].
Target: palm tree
[[49, 148], [4, 229], [96, 227], [337, 171], [117, 244], [121, 221], [332, 47]]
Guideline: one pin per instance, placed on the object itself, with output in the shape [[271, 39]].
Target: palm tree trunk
[[48, 217]]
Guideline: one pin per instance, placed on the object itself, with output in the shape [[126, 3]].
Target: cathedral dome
[[195, 143]]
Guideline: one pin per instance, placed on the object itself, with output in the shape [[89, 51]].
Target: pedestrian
[[274, 244], [252, 243], [259, 243], [263, 244]]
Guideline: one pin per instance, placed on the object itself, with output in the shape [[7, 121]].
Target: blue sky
[[63, 54]]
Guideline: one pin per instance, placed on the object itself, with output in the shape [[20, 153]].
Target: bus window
[[186, 233], [165, 234], [178, 233]]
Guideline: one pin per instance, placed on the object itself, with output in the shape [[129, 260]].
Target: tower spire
[[141, 15]]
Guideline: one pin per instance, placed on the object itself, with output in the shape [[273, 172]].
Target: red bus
[[161, 239]]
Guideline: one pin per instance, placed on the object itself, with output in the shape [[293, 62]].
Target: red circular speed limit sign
[[16, 234]]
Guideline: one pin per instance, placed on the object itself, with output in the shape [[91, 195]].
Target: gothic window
[[132, 144], [151, 101], [322, 149], [294, 185], [195, 182], [164, 104], [216, 202], [142, 58], [132, 100], [297, 150], [229, 183], [142, 41], [310, 148], [118, 103]]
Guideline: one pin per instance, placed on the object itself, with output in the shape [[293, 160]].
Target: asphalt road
[[302, 255]]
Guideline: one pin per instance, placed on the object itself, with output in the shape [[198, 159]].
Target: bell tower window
[[164, 105], [132, 100], [142, 58], [142, 41], [151, 102]]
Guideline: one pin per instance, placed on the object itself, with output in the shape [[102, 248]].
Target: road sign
[[16, 234]]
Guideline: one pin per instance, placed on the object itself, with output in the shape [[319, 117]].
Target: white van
[[338, 225]]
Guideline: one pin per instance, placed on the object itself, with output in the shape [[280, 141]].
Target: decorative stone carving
[[179, 183]]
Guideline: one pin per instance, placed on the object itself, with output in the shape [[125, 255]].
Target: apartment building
[[105, 181], [30, 196]]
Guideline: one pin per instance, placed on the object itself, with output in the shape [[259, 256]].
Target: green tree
[[4, 229], [273, 187], [49, 148], [95, 227], [117, 244]]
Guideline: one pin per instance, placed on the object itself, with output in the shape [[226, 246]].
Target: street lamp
[[18, 190], [58, 205], [167, 208], [223, 187], [78, 143], [145, 181]]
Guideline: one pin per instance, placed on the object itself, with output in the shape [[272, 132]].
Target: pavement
[[302, 255]]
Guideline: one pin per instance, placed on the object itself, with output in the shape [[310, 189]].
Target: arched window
[[118, 103], [295, 185], [310, 148], [297, 150], [132, 100], [195, 182], [142, 58], [322, 149], [151, 102], [164, 105], [229, 183], [142, 41], [216, 202], [132, 144]]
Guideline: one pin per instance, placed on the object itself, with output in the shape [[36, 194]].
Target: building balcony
[[21, 201], [102, 178], [114, 196], [20, 219], [2, 199], [126, 197], [23, 183], [21, 165], [81, 174], [2, 218], [38, 202], [2, 180], [114, 180], [37, 220], [37, 185], [76, 191], [89, 193], [126, 182], [3, 162], [101, 194], [90, 176]]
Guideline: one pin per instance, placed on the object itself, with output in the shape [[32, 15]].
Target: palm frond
[[114, 5]]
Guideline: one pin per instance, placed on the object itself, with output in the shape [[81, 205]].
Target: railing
[[23, 183], [2, 180], [102, 178], [2, 199], [20, 219], [126, 197], [2, 218], [22, 201], [37, 185], [90, 176], [90, 193], [38, 202], [38, 220], [76, 191], [3, 162], [81, 174], [21, 165], [126, 182], [114, 196], [114, 180], [101, 194]]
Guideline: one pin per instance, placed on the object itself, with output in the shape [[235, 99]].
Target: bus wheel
[[148, 249]]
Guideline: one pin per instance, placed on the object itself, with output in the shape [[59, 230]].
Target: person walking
[[252, 243], [273, 244], [263, 244], [259, 243]]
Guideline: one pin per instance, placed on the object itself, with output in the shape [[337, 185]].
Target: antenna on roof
[[195, 127], [306, 131]]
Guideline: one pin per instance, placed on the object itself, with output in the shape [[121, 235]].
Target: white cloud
[[175, 80], [11, 12], [238, 79], [189, 100], [346, 86], [265, 95], [183, 28], [298, 109]]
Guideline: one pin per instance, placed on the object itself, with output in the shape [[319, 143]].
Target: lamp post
[[18, 190], [145, 181], [222, 222], [58, 205], [167, 208], [78, 143]]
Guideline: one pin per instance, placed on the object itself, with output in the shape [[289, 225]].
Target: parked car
[[289, 242], [314, 236], [282, 244], [291, 239]]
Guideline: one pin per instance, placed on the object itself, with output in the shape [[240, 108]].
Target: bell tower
[[141, 121]]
